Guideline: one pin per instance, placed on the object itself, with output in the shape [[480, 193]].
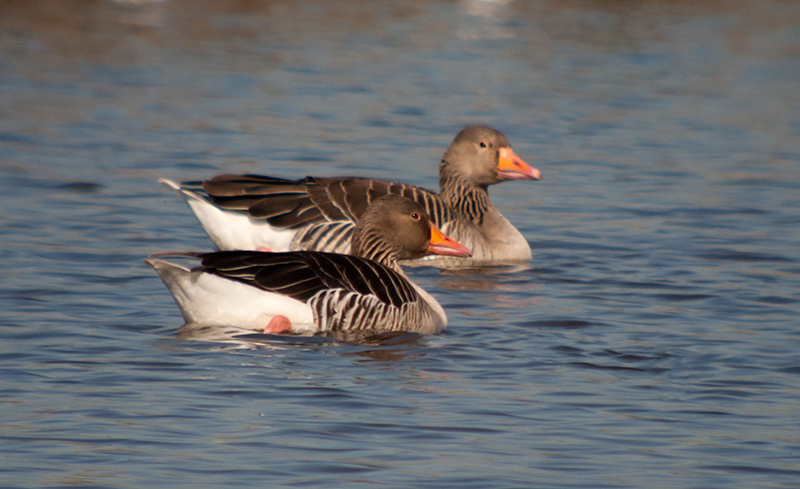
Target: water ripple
[[652, 342]]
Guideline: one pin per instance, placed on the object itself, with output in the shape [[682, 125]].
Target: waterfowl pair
[[316, 292], [315, 213]]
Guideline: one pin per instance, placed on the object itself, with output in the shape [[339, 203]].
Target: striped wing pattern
[[330, 236], [293, 204], [340, 310], [346, 292]]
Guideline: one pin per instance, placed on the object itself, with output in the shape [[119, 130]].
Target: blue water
[[653, 342]]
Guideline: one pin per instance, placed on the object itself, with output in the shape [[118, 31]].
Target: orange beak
[[441, 244], [511, 167]]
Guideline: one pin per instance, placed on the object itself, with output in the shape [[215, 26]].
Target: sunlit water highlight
[[653, 342]]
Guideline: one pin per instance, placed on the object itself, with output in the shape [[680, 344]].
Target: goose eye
[[483, 144], [415, 216]]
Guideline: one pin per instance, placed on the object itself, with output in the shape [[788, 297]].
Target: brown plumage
[[318, 213], [242, 291]]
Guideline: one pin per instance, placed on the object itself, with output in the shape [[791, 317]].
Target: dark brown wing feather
[[301, 274], [292, 204]]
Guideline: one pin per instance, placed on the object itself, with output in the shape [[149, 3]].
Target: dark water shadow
[[381, 345]]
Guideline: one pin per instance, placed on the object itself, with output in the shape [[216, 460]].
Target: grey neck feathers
[[373, 246], [470, 199]]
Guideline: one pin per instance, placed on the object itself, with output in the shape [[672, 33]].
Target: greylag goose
[[311, 292], [315, 213]]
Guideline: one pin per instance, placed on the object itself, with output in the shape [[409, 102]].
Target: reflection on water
[[659, 313], [246, 339]]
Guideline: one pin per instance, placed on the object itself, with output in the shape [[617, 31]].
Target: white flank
[[232, 230], [209, 299]]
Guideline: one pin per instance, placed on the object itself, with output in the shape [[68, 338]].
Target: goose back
[[320, 212], [364, 291]]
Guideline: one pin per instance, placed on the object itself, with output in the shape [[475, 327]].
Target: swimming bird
[[311, 292], [319, 213]]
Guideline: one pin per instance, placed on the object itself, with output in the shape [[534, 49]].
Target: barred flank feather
[[329, 236], [339, 310], [319, 213], [327, 292]]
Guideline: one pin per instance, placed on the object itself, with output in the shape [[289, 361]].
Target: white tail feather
[[212, 300], [233, 230]]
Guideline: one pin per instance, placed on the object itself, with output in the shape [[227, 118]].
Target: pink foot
[[264, 248], [278, 325]]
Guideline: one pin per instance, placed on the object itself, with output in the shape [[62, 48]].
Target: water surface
[[653, 341]]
